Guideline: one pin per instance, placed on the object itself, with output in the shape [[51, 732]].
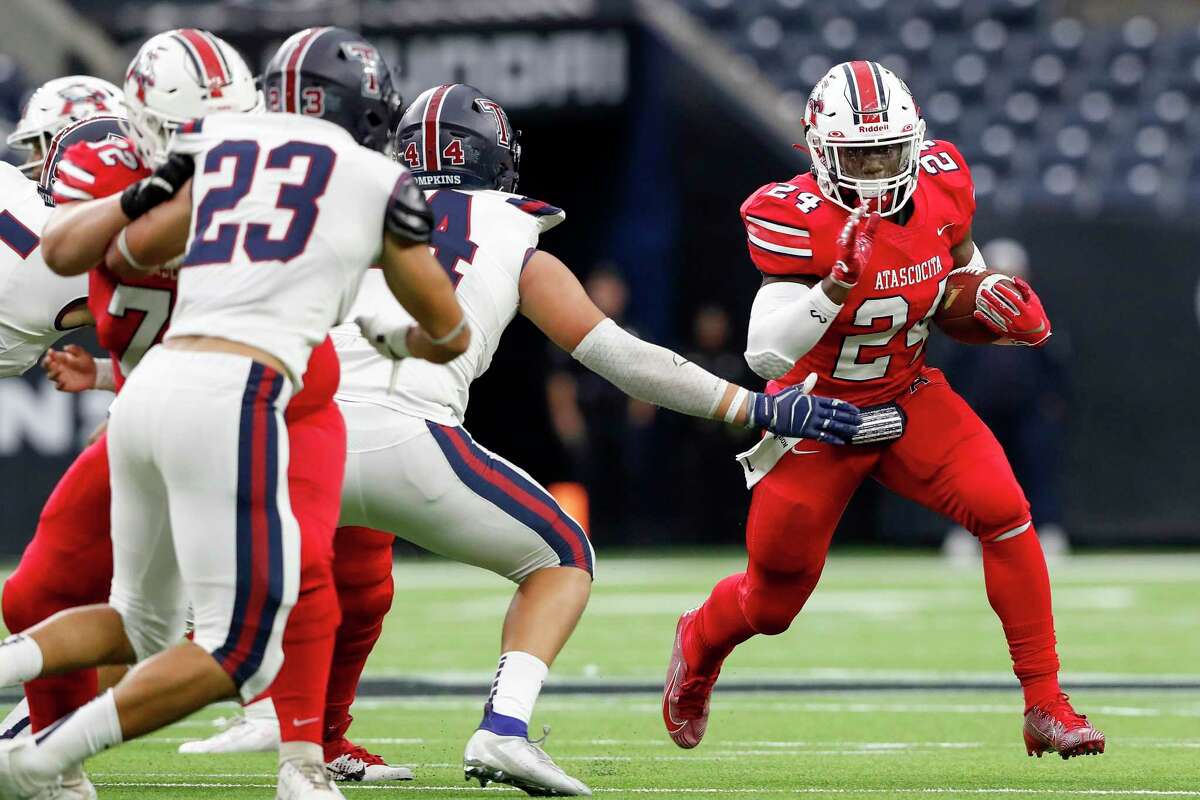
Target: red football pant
[[949, 462], [67, 564], [317, 464], [362, 573]]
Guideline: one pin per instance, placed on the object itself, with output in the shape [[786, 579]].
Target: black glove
[[408, 215], [159, 187]]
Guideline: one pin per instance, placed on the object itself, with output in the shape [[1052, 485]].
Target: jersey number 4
[[451, 240], [896, 310], [217, 246]]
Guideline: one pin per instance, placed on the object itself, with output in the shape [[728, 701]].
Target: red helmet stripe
[[290, 85], [213, 69], [869, 94], [431, 130]]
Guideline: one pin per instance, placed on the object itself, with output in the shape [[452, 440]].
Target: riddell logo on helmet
[[872, 128]]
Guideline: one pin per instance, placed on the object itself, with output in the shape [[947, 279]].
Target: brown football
[[955, 315]]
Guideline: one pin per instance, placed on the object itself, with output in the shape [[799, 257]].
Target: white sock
[[301, 751], [18, 716], [261, 710], [519, 679], [69, 742], [20, 660]]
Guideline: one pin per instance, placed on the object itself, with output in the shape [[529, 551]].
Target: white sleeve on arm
[[786, 321], [648, 372]]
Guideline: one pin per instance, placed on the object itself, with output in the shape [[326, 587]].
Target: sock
[[69, 742], [519, 679], [298, 692], [1018, 588], [300, 751], [718, 627], [20, 660], [17, 721], [362, 575]]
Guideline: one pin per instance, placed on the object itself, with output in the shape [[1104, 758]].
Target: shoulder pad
[[547, 216], [784, 224], [408, 215], [944, 166]]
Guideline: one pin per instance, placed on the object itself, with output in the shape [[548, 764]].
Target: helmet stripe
[[431, 130], [870, 103], [884, 99], [206, 56], [299, 56], [289, 83]]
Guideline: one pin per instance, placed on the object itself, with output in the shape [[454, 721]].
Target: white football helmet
[[181, 75], [55, 105], [863, 130]]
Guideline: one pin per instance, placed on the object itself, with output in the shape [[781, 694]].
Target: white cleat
[[305, 780], [518, 762], [17, 785], [245, 735], [76, 787]]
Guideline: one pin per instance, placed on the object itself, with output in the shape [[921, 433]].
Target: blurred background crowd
[[650, 121]]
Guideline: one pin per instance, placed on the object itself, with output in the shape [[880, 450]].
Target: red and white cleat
[[1054, 727], [685, 696], [346, 761]]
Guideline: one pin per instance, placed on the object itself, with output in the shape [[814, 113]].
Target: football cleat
[[77, 787], [1055, 727], [15, 784], [685, 696], [244, 735], [346, 761], [492, 758], [305, 780]]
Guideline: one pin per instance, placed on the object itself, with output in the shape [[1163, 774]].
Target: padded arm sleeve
[[648, 372], [786, 321]]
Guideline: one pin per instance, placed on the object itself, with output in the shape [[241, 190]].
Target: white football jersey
[[483, 238], [287, 214], [33, 300]]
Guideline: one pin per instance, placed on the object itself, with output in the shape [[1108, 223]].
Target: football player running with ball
[[855, 258]]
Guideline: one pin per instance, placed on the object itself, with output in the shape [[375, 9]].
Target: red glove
[[96, 169], [854, 245], [1015, 314]]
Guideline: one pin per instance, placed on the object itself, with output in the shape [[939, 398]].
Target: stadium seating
[[1049, 110]]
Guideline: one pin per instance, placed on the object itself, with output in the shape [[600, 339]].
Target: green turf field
[[874, 618]]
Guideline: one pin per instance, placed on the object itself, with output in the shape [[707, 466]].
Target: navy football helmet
[[453, 136], [336, 75], [92, 129]]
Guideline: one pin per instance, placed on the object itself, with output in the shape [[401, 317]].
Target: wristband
[[452, 335], [123, 247], [736, 404], [105, 375]]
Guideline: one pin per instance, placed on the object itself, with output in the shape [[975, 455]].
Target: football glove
[[1014, 314], [159, 187], [389, 341], [854, 245], [795, 413], [89, 170]]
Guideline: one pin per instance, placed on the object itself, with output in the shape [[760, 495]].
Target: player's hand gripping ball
[[1014, 312], [854, 245]]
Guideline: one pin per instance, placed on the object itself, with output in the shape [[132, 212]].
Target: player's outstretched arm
[[554, 300], [78, 233], [153, 239]]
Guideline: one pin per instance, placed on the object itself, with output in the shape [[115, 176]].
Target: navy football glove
[[795, 413]]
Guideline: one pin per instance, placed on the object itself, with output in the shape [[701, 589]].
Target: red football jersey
[[875, 348]]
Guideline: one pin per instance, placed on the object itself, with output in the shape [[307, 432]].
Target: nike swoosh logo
[[297, 723], [670, 691], [804, 452], [943, 228]]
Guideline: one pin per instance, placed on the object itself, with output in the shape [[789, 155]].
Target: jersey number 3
[[217, 246]]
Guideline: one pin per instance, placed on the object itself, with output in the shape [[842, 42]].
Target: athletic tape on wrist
[[123, 247], [452, 335], [736, 404]]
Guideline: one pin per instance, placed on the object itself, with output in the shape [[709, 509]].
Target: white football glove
[[389, 341]]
